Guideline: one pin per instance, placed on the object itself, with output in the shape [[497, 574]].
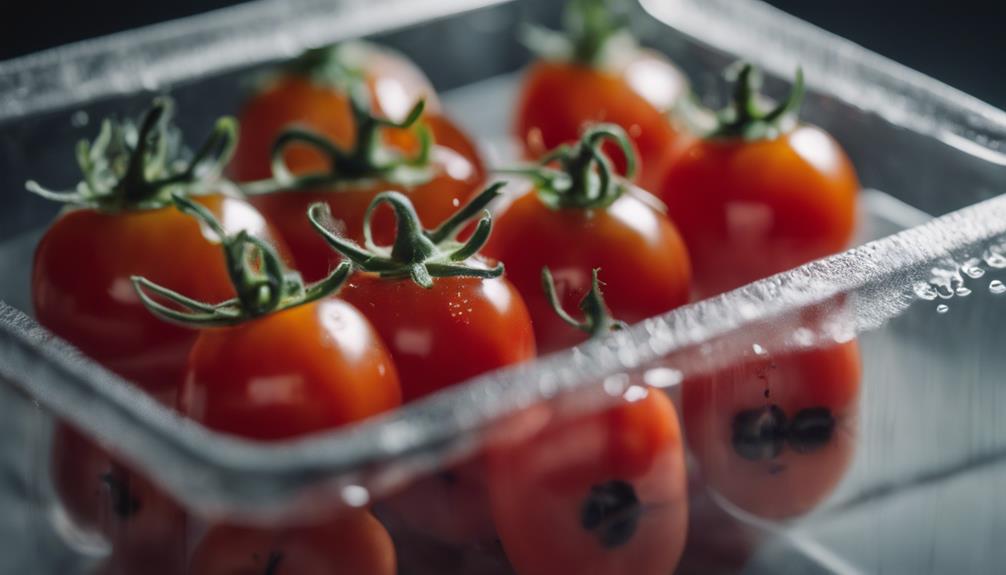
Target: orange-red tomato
[[302, 370], [352, 544], [601, 494], [749, 209], [558, 99], [644, 262], [82, 292], [459, 328], [99, 494], [774, 435]]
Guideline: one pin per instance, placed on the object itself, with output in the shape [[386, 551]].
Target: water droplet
[[971, 268], [945, 291], [995, 259], [997, 287], [759, 350], [942, 308], [79, 119], [963, 291], [925, 291]]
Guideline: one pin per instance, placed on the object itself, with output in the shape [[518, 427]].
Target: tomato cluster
[[359, 261]]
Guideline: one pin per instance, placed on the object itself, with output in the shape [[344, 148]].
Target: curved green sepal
[[597, 319], [130, 167], [591, 28], [746, 119], [263, 284], [422, 255]]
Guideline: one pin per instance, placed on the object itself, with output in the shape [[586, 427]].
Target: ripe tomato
[[352, 544], [143, 526], [760, 197], [602, 76], [302, 370], [774, 435], [602, 493], [647, 269]]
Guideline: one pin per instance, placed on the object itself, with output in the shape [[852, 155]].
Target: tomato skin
[[454, 181], [539, 491], [82, 292], [558, 99], [458, 329], [643, 261], [299, 371], [98, 493], [748, 210], [793, 481], [352, 544]]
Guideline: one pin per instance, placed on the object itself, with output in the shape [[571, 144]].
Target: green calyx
[[369, 158], [263, 284], [130, 167], [584, 177], [591, 29], [419, 254], [746, 119], [597, 319]]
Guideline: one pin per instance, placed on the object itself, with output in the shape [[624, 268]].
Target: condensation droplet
[[971, 268], [79, 119], [942, 308], [995, 259], [925, 291], [997, 287], [963, 291], [759, 350]]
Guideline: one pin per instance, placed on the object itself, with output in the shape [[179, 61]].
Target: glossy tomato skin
[[558, 99], [786, 476], [82, 292], [603, 494], [438, 337], [748, 210], [644, 266], [144, 527], [454, 180], [298, 371], [352, 544]]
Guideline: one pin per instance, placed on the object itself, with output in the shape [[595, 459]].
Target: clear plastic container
[[901, 334]]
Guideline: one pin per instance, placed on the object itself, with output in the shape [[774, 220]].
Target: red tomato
[[453, 331], [750, 208], [353, 544], [774, 435], [601, 494], [297, 371], [646, 267], [82, 291], [635, 90], [99, 494]]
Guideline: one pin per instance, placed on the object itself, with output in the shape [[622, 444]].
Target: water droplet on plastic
[[945, 291], [997, 287], [79, 119], [995, 259], [925, 291], [942, 308], [963, 291], [971, 268]]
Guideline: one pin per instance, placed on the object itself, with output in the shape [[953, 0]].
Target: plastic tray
[[920, 495]]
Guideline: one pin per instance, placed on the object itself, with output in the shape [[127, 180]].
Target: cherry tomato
[[302, 370], [602, 493], [99, 494], [749, 207], [598, 80], [774, 435], [352, 544], [646, 267]]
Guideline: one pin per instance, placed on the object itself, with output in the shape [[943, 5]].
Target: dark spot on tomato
[[272, 564], [124, 504], [811, 429], [760, 434], [612, 511]]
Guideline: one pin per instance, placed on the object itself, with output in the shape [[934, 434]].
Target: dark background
[[961, 43]]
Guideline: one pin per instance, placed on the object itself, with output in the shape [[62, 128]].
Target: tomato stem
[[584, 178], [746, 119], [589, 29], [262, 282], [419, 254], [136, 168], [597, 319]]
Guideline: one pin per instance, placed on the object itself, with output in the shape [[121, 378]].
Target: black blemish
[[124, 504], [272, 564], [759, 434], [811, 429], [612, 511]]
